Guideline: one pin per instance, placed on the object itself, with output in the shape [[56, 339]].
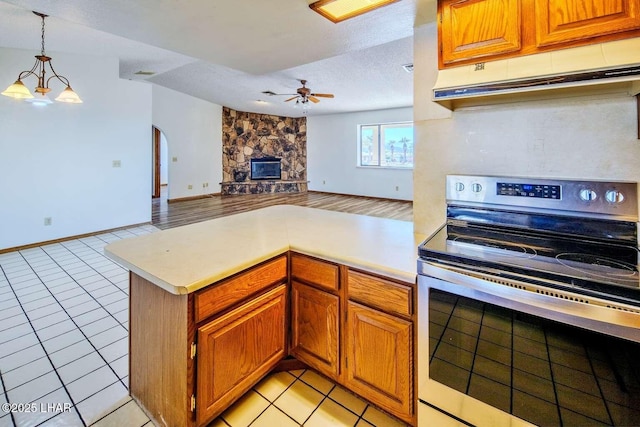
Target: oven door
[[494, 352]]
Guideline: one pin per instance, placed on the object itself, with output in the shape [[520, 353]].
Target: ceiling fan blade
[[291, 99], [323, 95], [313, 99]]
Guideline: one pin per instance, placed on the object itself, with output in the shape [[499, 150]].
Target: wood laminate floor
[[168, 215]]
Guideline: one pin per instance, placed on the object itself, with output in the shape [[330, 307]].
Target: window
[[386, 145]]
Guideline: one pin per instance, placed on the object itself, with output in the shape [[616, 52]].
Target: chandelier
[[19, 91]]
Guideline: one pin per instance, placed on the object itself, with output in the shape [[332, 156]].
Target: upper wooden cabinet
[[472, 30], [477, 28], [559, 21]]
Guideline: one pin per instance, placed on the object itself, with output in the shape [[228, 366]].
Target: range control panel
[[529, 190], [609, 198]]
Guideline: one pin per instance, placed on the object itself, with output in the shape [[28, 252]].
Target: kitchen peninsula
[[214, 306]]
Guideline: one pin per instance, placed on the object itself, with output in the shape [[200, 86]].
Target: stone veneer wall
[[252, 135]]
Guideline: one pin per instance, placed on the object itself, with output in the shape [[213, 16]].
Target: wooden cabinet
[[472, 30], [229, 292], [315, 313], [192, 355], [236, 350], [477, 28], [379, 351], [315, 320], [319, 273], [560, 21], [379, 341]]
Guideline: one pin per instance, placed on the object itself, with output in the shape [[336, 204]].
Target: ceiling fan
[[303, 94]]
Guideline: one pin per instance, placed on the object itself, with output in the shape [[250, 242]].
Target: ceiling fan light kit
[[19, 91], [340, 10], [302, 96]]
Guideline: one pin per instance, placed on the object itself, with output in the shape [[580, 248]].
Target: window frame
[[380, 145]]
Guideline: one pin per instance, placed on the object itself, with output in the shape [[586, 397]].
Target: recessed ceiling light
[[339, 10]]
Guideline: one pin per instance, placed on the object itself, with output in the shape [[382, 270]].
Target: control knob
[[476, 188], [459, 186], [614, 196], [588, 195]]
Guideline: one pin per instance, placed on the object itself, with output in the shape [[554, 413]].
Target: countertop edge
[[404, 270]]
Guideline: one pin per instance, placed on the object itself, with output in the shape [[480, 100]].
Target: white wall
[[56, 161], [575, 138], [193, 129], [332, 156]]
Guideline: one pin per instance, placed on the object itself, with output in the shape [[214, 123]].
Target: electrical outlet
[[397, 188], [174, 159], [189, 187], [116, 164], [323, 182], [47, 220]]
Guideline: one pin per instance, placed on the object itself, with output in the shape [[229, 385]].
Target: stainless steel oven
[[529, 304]]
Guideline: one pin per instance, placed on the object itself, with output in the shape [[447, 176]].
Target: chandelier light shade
[[340, 10], [19, 91]]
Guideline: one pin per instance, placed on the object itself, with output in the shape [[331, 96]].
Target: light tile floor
[[64, 350]]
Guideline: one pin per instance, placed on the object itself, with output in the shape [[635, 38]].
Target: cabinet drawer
[[314, 271], [383, 294], [229, 292]]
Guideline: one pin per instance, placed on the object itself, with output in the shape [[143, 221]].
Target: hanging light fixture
[[302, 103], [19, 91]]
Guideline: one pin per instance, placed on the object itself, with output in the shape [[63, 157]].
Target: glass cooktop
[[590, 267]]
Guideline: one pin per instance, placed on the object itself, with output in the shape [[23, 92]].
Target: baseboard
[[360, 196], [200, 196], [66, 239]]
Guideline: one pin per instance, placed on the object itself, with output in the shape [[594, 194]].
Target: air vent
[[408, 68], [268, 92], [144, 73]]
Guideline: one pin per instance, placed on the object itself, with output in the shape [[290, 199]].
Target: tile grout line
[[76, 324], [79, 329], [45, 352], [4, 388], [115, 410], [265, 398]]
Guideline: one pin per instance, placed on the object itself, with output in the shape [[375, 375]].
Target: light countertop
[[184, 259]]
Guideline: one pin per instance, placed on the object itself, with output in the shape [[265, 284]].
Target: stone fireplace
[[273, 145]]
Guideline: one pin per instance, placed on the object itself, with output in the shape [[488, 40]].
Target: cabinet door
[[380, 362], [315, 330], [559, 21], [236, 350], [477, 28]]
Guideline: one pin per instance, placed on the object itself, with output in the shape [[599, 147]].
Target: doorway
[[160, 168]]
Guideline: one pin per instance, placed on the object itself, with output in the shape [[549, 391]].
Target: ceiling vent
[[144, 73], [408, 68]]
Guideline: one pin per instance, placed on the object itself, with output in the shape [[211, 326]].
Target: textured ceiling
[[230, 51]]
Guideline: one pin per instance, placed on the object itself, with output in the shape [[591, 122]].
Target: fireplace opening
[[266, 168]]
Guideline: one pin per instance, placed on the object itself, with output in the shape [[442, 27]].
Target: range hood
[[603, 68]]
